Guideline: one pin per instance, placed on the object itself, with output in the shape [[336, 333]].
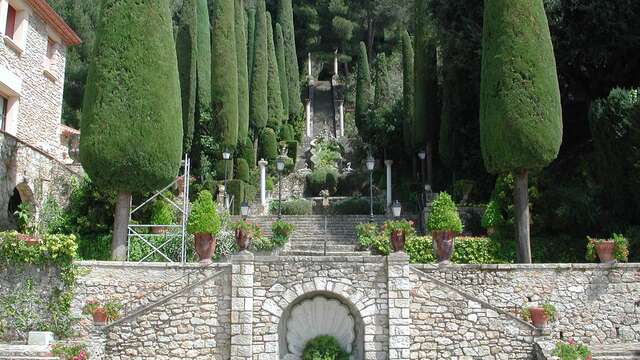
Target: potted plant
[[490, 218], [608, 250], [161, 214], [443, 221], [398, 230], [571, 350], [539, 315], [112, 310], [243, 232], [204, 224], [97, 312]]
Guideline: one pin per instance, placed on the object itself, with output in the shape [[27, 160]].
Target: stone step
[[320, 247], [321, 253], [26, 352], [625, 351]]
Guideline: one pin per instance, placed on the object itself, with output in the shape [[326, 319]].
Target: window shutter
[[11, 22]]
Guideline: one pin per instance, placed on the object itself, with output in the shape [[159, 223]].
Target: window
[[10, 30], [4, 105]]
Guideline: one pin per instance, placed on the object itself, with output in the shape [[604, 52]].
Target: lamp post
[[280, 168], [396, 208], [244, 210], [226, 155], [371, 163]]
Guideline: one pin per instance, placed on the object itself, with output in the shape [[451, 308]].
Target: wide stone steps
[[26, 352], [627, 351]]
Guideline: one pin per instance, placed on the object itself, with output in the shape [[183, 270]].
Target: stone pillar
[[335, 63], [388, 163], [242, 270], [263, 182], [308, 112], [341, 112], [399, 287]]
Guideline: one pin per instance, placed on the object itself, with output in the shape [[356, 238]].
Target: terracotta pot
[[29, 240], [158, 230], [397, 241], [538, 317], [443, 245], [100, 316], [242, 239], [205, 247], [605, 251]]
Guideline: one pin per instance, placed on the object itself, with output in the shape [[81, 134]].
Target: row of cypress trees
[[153, 94]]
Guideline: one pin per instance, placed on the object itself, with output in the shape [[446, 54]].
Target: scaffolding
[[177, 232]]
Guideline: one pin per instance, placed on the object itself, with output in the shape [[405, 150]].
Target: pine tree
[[187, 52], [520, 109], [363, 89], [131, 125], [258, 105], [251, 31], [407, 92], [274, 98], [243, 77], [224, 74], [282, 70], [285, 19]]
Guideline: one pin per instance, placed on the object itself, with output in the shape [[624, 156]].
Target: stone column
[[388, 163], [341, 111], [242, 270], [263, 182], [335, 63], [399, 287], [308, 112]]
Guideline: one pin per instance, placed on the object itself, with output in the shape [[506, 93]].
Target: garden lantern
[[396, 208], [371, 163], [244, 210]]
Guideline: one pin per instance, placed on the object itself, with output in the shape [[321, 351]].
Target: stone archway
[[320, 313], [22, 194]]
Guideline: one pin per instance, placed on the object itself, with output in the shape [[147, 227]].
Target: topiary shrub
[[203, 217], [292, 207], [357, 206], [292, 149], [324, 348], [250, 192], [243, 170], [162, 213], [286, 133], [325, 178], [443, 215], [235, 189], [246, 151], [268, 145], [219, 166]]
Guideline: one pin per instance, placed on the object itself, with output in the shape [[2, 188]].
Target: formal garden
[[339, 180]]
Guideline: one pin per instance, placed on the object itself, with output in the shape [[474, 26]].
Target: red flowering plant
[[70, 352], [571, 350]]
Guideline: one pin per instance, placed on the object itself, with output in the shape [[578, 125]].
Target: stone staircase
[[317, 235], [625, 351], [25, 352]]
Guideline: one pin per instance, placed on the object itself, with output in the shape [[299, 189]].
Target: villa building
[[34, 145]]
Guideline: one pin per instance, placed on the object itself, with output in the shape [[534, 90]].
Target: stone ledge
[[321, 259], [149, 265], [526, 267]]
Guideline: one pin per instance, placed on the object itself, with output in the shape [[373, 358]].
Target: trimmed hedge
[[325, 178], [292, 207], [243, 170], [282, 69], [235, 188], [274, 99], [219, 166], [245, 151], [357, 206], [258, 107], [250, 192], [363, 89], [285, 19], [203, 62], [187, 51], [285, 133], [243, 75], [268, 145]]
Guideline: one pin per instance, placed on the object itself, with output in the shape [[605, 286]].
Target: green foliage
[[366, 233], [292, 207], [258, 105], [162, 213], [203, 216], [52, 217], [245, 151], [490, 217], [382, 91], [251, 33], [112, 309], [224, 73], [286, 133], [403, 225], [268, 145], [203, 61], [324, 178], [125, 98], [357, 206], [70, 352], [20, 308], [292, 150], [274, 98], [187, 52], [363, 89], [285, 19], [620, 250], [326, 152], [282, 69], [520, 109], [53, 248], [324, 348], [281, 231], [243, 72], [243, 170], [571, 350], [443, 215], [235, 188], [407, 92], [468, 250], [25, 218]]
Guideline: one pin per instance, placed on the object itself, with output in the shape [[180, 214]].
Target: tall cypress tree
[[382, 90], [203, 62], [224, 73], [243, 78], [126, 103], [520, 109], [282, 70], [274, 98], [285, 19], [407, 92], [251, 30], [363, 89], [258, 106], [187, 51]]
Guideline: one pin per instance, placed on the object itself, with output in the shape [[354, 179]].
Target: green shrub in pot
[[443, 215], [203, 217]]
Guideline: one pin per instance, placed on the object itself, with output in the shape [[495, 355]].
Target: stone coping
[[525, 267], [150, 265], [322, 259]]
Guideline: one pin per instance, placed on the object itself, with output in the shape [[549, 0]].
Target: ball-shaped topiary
[[203, 217], [443, 215], [323, 348]]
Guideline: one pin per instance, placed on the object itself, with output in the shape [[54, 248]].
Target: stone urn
[[443, 245], [99, 316], [242, 239], [397, 240], [605, 250], [205, 247], [538, 317]]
